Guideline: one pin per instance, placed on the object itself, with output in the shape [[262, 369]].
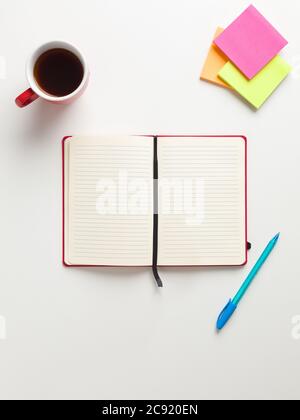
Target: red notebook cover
[[153, 136]]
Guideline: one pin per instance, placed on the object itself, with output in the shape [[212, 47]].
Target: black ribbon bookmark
[[155, 214]]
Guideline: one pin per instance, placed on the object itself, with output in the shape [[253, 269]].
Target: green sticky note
[[258, 89]]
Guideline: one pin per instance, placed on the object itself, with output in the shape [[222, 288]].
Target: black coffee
[[58, 72]]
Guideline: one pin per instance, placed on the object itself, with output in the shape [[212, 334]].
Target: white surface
[[110, 333]]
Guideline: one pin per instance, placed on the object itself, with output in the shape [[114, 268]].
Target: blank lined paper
[[109, 201], [109, 207], [201, 201]]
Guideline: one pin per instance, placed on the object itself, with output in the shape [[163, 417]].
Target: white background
[[110, 333]]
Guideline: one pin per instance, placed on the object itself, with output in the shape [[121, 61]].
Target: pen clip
[[226, 314]]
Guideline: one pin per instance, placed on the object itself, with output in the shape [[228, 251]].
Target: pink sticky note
[[250, 42]]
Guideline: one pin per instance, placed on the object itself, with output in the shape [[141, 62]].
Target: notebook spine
[[155, 214]]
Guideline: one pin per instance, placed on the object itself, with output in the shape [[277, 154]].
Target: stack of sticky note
[[244, 57]]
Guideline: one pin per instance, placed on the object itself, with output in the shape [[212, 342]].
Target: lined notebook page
[[201, 201], [109, 217]]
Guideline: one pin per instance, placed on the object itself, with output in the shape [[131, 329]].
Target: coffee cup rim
[[36, 54]]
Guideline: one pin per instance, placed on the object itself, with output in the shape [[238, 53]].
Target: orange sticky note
[[214, 62]]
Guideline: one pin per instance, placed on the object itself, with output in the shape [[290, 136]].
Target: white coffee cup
[[35, 91]]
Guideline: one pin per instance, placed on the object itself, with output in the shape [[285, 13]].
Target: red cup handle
[[26, 98]]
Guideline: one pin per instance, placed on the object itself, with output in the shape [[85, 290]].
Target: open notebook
[[193, 214]]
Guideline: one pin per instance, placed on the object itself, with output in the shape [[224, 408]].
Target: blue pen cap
[[226, 314]]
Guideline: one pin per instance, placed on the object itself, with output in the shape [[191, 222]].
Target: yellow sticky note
[[214, 62], [258, 89]]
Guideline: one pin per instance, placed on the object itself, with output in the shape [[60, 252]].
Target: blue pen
[[231, 306]]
